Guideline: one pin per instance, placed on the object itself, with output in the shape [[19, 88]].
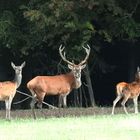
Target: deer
[[8, 88], [60, 85], [128, 91]]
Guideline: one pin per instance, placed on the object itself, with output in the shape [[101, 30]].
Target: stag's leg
[[39, 105], [63, 100], [64, 97], [40, 101], [123, 103], [135, 100], [60, 101], [115, 102], [32, 105]]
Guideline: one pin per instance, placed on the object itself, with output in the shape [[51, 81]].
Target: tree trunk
[[80, 97], [76, 98], [84, 96], [90, 90]]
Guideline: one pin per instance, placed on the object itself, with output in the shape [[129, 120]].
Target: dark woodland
[[33, 30]]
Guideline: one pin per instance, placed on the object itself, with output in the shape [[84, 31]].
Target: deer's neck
[[137, 79], [18, 79], [76, 81]]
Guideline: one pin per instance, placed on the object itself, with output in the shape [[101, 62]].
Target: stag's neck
[[138, 81], [18, 79], [76, 81]]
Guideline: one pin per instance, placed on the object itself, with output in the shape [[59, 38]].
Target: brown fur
[[51, 85], [128, 91], [7, 89], [120, 86], [132, 90]]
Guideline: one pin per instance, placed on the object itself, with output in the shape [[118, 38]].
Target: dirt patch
[[63, 112]]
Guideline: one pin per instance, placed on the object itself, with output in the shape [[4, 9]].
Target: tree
[[34, 30]]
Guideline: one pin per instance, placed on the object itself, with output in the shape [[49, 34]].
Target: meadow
[[89, 127]]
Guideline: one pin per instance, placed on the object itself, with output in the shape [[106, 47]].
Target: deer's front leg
[[8, 107], [135, 100]]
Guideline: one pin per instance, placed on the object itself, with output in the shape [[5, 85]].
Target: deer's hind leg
[[33, 102], [40, 101], [115, 102], [32, 105], [124, 102]]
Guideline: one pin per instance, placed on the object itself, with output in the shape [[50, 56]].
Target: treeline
[[33, 31]]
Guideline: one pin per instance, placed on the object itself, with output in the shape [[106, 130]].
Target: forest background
[[32, 31]]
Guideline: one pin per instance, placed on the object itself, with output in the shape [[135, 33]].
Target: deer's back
[[51, 84], [132, 89]]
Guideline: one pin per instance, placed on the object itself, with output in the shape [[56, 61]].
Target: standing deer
[[61, 85], [128, 91], [8, 88]]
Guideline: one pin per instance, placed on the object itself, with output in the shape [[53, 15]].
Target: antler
[[87, 52], [63, 56]]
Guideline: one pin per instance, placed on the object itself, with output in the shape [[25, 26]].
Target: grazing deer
[[61, 85], [8, 88], [128, 91]]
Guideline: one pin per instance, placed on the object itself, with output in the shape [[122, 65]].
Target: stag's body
[[61, 85], [8, 88], [128, 91], [53, 85]]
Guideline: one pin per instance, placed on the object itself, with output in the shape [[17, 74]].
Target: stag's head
[[76, 68]]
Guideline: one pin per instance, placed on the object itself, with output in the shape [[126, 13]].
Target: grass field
[[95, 127]]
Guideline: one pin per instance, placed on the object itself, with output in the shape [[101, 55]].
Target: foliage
[[40, 24], [33, 30]]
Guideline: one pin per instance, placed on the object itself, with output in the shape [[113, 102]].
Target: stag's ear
[[138, 69], [70, 66], [23, 64], [83, 66], [13, 65]]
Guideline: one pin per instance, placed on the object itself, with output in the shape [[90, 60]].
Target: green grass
[[105, 127]]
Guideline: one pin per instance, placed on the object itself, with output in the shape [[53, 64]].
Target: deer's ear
[[12, 64], [83, 66], [70, 66], [23, 64], [138, 69]]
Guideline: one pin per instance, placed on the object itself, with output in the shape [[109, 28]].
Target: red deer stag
[[8, 88], [128, 91], [61, 85]]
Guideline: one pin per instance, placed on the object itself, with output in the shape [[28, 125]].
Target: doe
[[8, 88]]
